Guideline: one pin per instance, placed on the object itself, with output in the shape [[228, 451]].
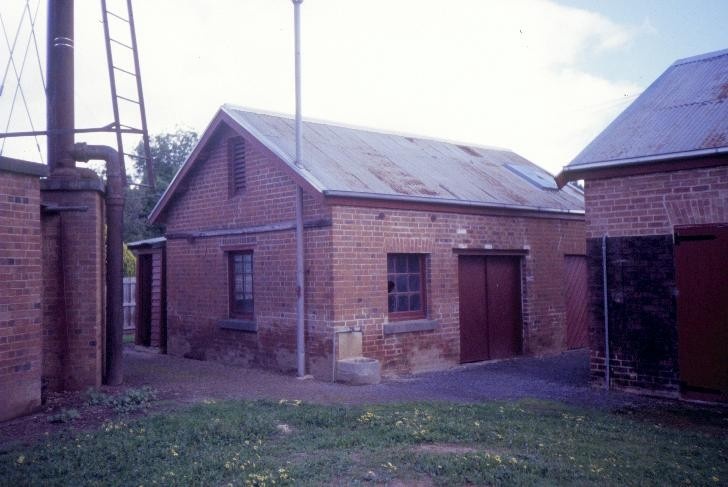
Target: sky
[[540, 77]]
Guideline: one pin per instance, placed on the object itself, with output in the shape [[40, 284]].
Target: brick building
[[150, 317], [656, 196], [21, 285], [419, 253], [52, 274]]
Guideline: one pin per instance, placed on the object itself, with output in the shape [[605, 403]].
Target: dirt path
[[179, 381]]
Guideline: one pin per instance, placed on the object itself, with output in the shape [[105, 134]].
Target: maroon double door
[[490, 307]]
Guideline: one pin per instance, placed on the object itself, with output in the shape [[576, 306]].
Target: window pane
[[390, 263], [401, 284], [392, 303], [248, 287], [414, 263], [241, 283], [415, 304], [402, 303], [414, 282], [401, 262]]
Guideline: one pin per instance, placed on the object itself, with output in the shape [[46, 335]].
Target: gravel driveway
[[560, 378]]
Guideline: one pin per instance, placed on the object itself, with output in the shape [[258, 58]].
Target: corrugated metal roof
[[338, 160], [684, 111], [150, 242]]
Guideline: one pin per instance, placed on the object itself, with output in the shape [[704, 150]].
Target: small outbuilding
[[419, 253], [150, 319], [656, 190]]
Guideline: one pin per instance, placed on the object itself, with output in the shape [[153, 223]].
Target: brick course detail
[[20, 291], [642, 313], [653, 204], [73, 290]]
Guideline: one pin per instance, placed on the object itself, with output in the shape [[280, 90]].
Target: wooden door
[[473, 317], [503, 289], [490, 307], [576, 297], [701, 265], [144, 300]]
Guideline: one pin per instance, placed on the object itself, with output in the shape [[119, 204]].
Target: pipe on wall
[[607, 378], [300, 290], [114, 254], [59, 90]]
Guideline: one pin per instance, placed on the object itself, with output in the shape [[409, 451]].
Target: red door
[[473, 317], [490, 307], [575, 291], [701, 265]]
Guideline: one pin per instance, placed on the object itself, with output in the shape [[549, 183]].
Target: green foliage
[[129, 262], [128, 401], [292, 443], [64, 416], [169, 151]]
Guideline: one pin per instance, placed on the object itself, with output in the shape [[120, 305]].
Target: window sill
[[240, 325], [408, 326]]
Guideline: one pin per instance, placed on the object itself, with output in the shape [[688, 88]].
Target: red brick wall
[[197, 286], [362, 237], [20, 291], [652, 204], [345, 271], [73, 290], [203, 201], [638, 215]]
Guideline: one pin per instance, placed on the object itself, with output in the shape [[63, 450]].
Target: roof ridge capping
[[701, 57], [230, 106]]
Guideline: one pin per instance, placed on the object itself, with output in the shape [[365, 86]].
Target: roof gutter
[[441, 201], [576, 172]]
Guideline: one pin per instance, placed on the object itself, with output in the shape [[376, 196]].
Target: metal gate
[[490, 307], [701, 265], [576, 300]]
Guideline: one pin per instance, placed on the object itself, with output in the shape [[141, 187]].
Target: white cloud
[[488, 72]]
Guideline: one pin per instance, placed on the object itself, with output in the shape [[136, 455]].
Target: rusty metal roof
[[340, 160], [684, 113]]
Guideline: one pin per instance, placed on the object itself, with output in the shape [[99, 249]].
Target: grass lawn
[[289, 443]]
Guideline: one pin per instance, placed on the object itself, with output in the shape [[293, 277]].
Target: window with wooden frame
[[406, 286], [236, 156], [241, 284]]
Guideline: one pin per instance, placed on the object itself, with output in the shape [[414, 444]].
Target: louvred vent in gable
[[236, 148]]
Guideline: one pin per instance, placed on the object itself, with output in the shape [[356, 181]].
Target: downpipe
[[114, 254], [607, 364], [300, 271]]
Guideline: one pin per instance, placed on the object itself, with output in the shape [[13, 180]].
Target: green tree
[[169, 151], [129, 262]]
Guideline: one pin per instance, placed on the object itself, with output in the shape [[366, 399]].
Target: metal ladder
[[136, 99]]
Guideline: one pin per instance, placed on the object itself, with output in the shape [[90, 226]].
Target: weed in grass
[[126, 402]]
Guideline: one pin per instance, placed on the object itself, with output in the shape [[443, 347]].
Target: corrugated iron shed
[[340, 160], [684, 113]]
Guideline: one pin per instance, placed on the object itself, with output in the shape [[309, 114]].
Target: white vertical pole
[[300, 308]]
